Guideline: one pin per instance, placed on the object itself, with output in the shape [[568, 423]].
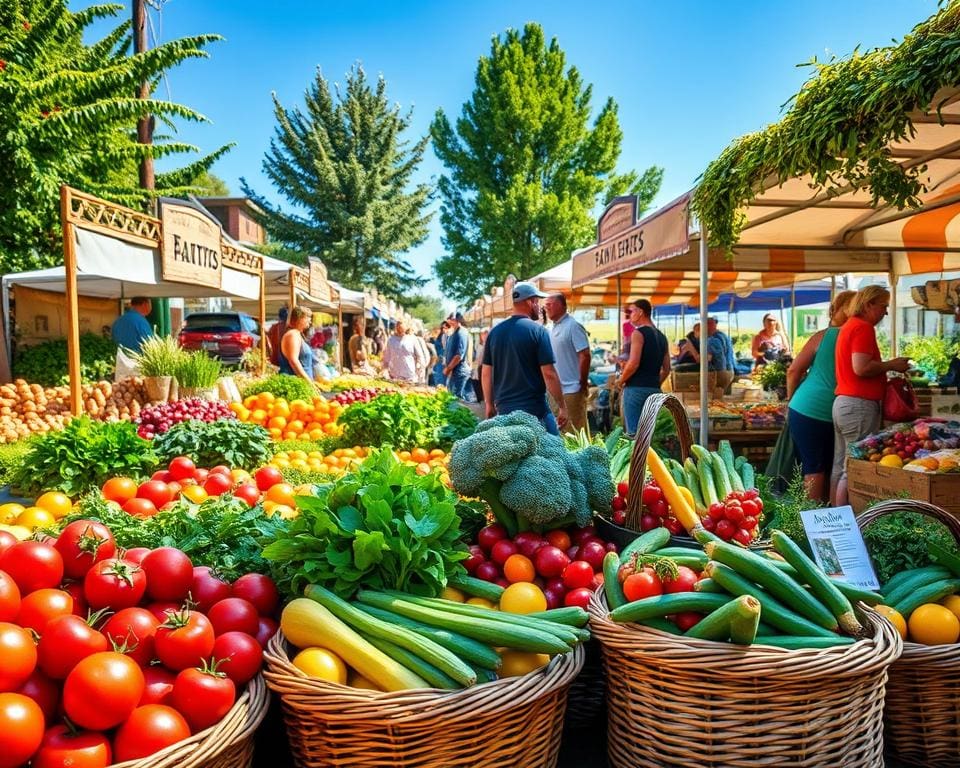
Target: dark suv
[[225, 335]]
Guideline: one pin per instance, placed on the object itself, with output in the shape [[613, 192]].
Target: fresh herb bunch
[[11, 458], [773, 375], [461, 423], [382, 527], [297, 477], [209, 443], [222, 532], [402, 421], [46, 363], [474, 515], [782, 511], [282, 385], [898, 541], [83, 457], [197, 370], [159, 356]]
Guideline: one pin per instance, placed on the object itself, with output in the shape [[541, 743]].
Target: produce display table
[[869, 481]]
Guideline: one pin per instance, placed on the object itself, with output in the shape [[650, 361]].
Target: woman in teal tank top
[[811, 381]]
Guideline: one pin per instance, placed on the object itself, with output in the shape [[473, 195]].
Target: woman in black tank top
[[647, 367]]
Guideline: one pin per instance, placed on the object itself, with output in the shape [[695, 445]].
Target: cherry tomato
[[81, 544], [643, 584], [578, 597], [18, 656], [650, 494], [9, 598], [115, 584], [248, 492], [7, 540], [184, 640], [558, 538], [749, 523], [182, 468], [751, 494], [207, 588], [234, 615], [709, 523], [502, 550], [488, 571], [61, 747], [476, 557], [32, 565], [687, 620], [259, 590], [743, 536], [138, 507], [39, 608], [550, 561], [239, 656], [623, 489], [674, 526], [169, 574], [725, 529], [65, 643], [717, 511], [648, 522], [266, 628], [734, 513], [217, 484], [158, 684], [156, 492], [684, 582], [266, 478], [202, 696], [147, 730], [136, 554], [21, 729], [162, 609], [490, 535], [132, 631], [102, 690], [221, 469], [659, 509], [750, 508], [578, 574], [44, 691]]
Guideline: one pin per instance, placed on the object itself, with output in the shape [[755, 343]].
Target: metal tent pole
[[894, 279], [704, 398], [793, 316]]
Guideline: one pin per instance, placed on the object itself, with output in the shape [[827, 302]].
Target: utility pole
[[145, 125]]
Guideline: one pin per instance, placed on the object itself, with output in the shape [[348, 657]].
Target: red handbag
[[899, 400]]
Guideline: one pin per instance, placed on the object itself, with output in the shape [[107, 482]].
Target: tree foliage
[[427, 308], [343, 164], [525, 167], [68, 115], [210, 185]]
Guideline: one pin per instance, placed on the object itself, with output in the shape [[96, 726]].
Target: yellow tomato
[[933, 624], [321, 664], [482, 602], [281, 493], [522, 597], [56, 503], [286, 512], [952, 603], [894, 617], [10, 511], [517, 663], [449, 593], [21, 533], [35, 517], [239, 475], [194, 493]]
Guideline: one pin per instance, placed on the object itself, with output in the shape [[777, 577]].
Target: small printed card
[[838, 547]]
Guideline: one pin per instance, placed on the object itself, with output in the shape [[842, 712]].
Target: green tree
[[525, 168], [210, 185], [68, 115], [343, 164], [427, 308]]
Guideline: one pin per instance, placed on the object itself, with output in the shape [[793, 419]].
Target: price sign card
[[837, 545]]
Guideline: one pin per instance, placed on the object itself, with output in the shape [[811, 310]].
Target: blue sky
[[689, 75]]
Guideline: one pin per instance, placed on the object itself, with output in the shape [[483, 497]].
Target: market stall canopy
[[356, 302], [758, 301]]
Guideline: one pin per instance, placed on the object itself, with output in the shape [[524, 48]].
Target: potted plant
[[158, 361], [773, 378], [198, 374]]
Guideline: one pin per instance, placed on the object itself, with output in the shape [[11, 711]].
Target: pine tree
[[68, 115], [525, 170], [342, 163]]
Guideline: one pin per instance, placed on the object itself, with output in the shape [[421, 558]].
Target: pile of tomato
[[108, 655], [644, 580]]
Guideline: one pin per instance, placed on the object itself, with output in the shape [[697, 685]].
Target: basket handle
[[638, 459], [910, 505]]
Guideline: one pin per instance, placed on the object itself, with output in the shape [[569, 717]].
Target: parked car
[[225, 335]]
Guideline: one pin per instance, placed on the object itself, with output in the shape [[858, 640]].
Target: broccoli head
[[539, 490], [492, 451], [595, 463]]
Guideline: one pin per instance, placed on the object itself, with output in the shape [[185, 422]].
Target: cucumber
[[477, 587], [708, 585], [773, 612], [676, 472], [764, 629], [645, 543], [495, 633], [744, 624], [665, 605], [852, 591], [687, 552], [471, 651], [707, 487], [415, 664], [484, 675], [898, 578], [748, 475], [693, 483], [793, 643], [921, 577], [694, 561], [611, 584], [570, 615], [823, 589], [719, 624], [725, 451], [664, 625], [946, 558], [762, 572], [929, 593], [446, 661], [724, 489]]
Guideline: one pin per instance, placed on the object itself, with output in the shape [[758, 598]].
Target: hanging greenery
[[837, 129]]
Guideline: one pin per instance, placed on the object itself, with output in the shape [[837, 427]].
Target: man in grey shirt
[[571, 348]]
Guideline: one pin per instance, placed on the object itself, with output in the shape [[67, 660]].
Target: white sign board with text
[[837, 545]]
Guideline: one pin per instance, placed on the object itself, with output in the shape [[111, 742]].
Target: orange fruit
[[259, 416], [250, 402], [277, 421], [316, 434], [518, 568], [282, 494], [419, 454], [330, 429], [291, 435], [932, 624], [275, 433], [56, 503], [404, 455], [436, 453], [295, 425], [281, 409], [894, 617], [119, 489], [194, 493]]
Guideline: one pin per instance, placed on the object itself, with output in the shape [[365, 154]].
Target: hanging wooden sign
[[190, 250]]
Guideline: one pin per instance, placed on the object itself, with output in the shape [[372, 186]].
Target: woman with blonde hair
[[861, 379], [296, 357], [811, 381]]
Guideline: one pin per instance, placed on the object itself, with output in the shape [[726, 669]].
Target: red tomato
[[184, 640], [169, 574], [717, 511], [725, 529], [33, 566], [623, 489], [202, 696], [709, 523], [81, 544], [115, 584], [650, 494], [642, 584], [558, 538], [44, 691], [687, 620], [156, 492], [578, 574], [673, 525], [743, 536], [140, 507], [200, 475], [9, 598], [734, 513], [684, 582], [207, 588], [61, 747], [659, 509], [18, 656], [476, 557], [750, 508], [162, 609], [7, 540], [149, 729], [162, 476], [550, 561], [136, 554], [21, 729], [220, 469], [39, 608], [579, 597], [238, 655], [182, 468], [259, 590], [490, 535], [266, 628], [102, 690], [234, 615], [65, 643], [158, 684], [247, 492], [749, 523], [217, 484], [502, 550], [267, 477], [132, 631]]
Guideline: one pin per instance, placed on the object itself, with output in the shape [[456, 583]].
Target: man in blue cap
[[132, 328], [456, 357], [519, 364]]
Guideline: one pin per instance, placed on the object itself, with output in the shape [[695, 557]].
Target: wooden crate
[[868, 481]]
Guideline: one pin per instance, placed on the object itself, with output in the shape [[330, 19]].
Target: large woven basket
[[228, 744], [676, 701], [512, 722], [922, 713]]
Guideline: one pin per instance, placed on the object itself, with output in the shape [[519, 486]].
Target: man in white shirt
[[402, 356], [571, 348]]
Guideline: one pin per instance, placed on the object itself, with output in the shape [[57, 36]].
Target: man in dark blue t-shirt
[[457, 364], [518, 363]]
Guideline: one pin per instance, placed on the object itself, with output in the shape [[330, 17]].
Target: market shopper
[[770, 344], [811, 384], [478, 364], [429, 358], [457, 357], [296, 356], [402, 356], [518, 364], [723, 360], [571, 349], [439, 342], [131, 329], [359, 347], [647, 367], [861, 379], [275, 334]]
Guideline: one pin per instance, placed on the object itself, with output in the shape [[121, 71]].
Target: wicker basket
[[676, 701], [587, 700], [228, 744], [511, 722], [922, 713]]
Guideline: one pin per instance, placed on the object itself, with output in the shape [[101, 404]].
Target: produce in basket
[[924, 603]]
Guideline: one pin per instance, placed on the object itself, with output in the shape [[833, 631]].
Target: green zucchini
[[428, 650], [823, 589], [921, 577], [773, 612], [495, 633], [484, 675], [664, 625], [708, 585], [676, 472], [611, 583], [928, 593], [645, 543], [719, 624], [748, 475], [693, 483], [685, 552], [726, 454], [477, 587], [852, 591], [471, 651], [794, 643], [946, 558], [666, 605], [704, 472], [415, 664], [724, 489], [570, 615], [762, 572], [764, 629]]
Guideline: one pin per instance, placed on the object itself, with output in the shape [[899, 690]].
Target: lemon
[[356, 680], [321, 664], [952, 604], [523, 597], [36, 517]]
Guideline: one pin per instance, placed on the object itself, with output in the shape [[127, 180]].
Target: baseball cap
[[524, 290]]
